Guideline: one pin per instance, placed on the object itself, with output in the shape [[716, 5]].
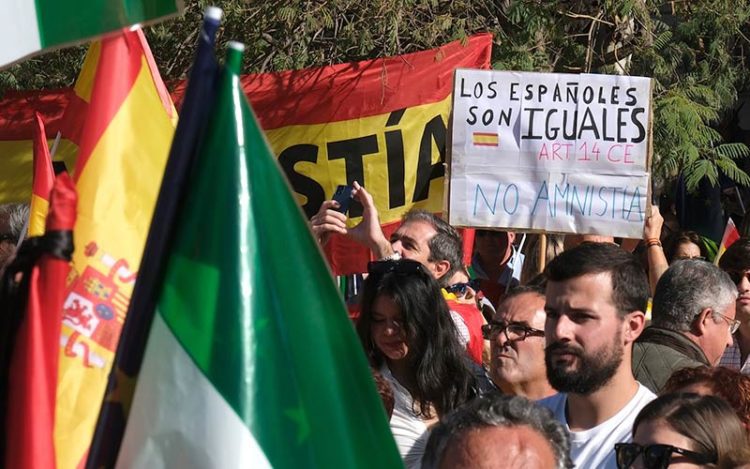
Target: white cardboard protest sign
[[550, 152]]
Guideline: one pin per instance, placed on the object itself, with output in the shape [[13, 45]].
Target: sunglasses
[[738, 275], [460, 288], [656, 456], [402, 266]]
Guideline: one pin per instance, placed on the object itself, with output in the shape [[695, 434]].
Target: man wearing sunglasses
[[693, 321], [516, 335], [736, 262], [596, 296], [423, 237]]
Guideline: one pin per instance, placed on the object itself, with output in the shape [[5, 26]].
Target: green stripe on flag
[[249, 296], [63, 21]]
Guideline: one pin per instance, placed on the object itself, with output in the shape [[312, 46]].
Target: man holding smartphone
[[423, 237]]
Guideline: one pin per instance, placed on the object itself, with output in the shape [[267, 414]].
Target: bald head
[[498, 431], [519, 447]]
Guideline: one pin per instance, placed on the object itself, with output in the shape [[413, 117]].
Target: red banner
[[381, 122]]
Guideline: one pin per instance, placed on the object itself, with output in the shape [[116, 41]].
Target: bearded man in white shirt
[[596, 296]]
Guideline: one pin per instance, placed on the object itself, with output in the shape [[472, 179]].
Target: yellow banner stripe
[[17, 167], [331, 172]]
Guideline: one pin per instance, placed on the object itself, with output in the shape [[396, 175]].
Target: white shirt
[[409, 430], [595, 447]]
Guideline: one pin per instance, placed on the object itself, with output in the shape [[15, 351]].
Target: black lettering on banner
[[463, 92], [590, 126], [492, 91], [542, 92], [606, 136], [588, 94], [572, 92], [488, 117], [472, 116], [394, 147], [574, 131], [641, 130], [557, 95], [550, 132], [302, 184], [352, 151], [631, 94], [513, 91], [530, 135], [620, 124], [426, 170]]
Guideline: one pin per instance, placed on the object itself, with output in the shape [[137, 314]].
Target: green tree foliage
[[695, 51]]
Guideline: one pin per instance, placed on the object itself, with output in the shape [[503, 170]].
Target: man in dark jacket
[[693, 320]]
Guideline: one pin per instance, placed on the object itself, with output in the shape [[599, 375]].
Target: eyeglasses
[[682, 258], [460, 288], [656, 456], [402, 266], [738, 275], [733, 323], [512, 331]]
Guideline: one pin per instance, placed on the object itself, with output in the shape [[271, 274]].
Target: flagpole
[[54, 144]]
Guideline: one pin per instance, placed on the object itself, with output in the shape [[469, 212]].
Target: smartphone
[[343, 196]]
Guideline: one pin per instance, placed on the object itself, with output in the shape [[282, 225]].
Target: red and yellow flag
[[44, 177], [731, 234], [34, 365], [123, 146]]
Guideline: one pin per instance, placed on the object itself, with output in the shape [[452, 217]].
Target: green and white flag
[[30, 26], [251, 360]]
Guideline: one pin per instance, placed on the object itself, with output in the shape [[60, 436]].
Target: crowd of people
[[571, 370], [605, 359]]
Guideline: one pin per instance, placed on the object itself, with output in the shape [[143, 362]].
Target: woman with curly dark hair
[[408, 335]]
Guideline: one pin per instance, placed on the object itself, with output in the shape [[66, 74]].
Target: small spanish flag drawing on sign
[[485, 139]]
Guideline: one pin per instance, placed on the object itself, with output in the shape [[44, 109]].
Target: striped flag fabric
[[251, 359], [485, 139], [34, 362], [44, 177], [32, 26], [194, 117], [731, 234], [123, 147]]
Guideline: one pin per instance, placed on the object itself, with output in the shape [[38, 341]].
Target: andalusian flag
[[32, 25], [251, 360], [124, 144], [44, 177]]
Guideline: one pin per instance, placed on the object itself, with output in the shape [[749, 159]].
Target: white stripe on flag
[[178, 419], [19, 35]]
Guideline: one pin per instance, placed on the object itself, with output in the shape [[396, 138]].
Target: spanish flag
[[486, 139], [730, 236], [123, 149], [44, 177], [34, 364]]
